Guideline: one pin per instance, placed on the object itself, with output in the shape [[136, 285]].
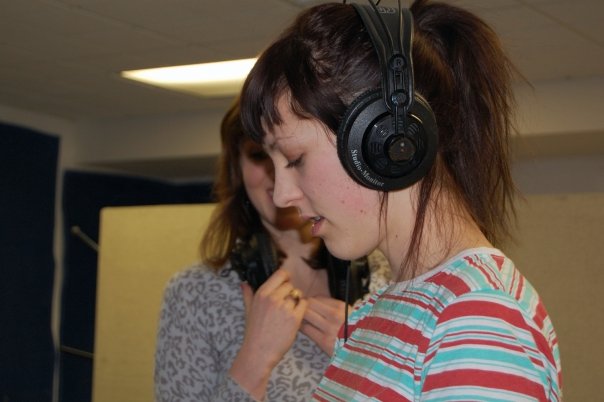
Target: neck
[[446, 233], [312, 282]]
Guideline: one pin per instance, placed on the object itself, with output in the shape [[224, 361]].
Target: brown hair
[[325, 59], [234, 216]]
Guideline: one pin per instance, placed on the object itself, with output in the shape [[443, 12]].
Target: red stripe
[[483, 342], [482, 308], [413, 301], [485, 272], [540, 314], [486, 379], [395, 329], [515, 275], [451, 282], [520, 288], [499, 260], [544, 347], [331, 396]]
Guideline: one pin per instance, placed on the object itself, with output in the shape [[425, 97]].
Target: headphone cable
[[347, 297]]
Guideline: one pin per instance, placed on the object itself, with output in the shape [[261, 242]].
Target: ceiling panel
[[62, 57]]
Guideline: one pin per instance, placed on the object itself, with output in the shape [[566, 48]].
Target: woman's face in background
[[258, 176]]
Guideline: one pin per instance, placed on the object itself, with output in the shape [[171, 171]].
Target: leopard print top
[[201, 328]]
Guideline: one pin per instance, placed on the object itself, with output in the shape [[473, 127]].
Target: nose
[[286, 192]]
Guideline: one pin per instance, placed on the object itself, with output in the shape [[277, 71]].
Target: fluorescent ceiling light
[[220, 79]]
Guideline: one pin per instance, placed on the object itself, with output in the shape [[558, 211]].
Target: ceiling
[[62, 57]]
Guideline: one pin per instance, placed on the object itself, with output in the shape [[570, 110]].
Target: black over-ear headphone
[[256, 260], [388, 138]]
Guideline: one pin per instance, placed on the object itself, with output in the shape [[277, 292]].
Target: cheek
[[253, 175], [332, 181], [362, 203], [255, 187]]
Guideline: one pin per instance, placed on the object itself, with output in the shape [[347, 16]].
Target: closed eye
[[295, 163]]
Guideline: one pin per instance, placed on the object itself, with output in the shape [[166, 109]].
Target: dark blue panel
[[28, 166]]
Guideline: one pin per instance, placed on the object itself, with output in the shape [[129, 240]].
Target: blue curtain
[[28, 166]]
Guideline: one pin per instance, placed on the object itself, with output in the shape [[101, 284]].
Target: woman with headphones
[[388, 129]]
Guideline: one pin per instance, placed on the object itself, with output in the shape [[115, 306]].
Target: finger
[[282, 294], [301, 308], [276, 279], [311, 331], [329, 301], [295, 295], [328, 307], [315, 318], [325, 341], [276, 287]]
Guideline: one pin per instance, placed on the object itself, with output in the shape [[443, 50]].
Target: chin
[[343, 251]]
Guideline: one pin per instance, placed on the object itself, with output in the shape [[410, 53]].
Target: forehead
[[294, 130], [287, 129], [280, 137]]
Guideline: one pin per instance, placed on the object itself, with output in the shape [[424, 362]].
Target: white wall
[[556, 245], [551, 107], [568, 106], [564, 108], [157, 137]]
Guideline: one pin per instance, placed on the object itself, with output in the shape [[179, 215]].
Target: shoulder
[[200, 281], [473, 285], [492, 307], [488, 276], [483, 270], [199, 298]]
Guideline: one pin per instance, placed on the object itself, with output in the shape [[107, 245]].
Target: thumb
[[248, 295]]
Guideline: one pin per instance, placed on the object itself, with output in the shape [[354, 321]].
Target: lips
[[316, 225], [316, 222]]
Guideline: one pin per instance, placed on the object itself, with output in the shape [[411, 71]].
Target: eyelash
[[295, 163]]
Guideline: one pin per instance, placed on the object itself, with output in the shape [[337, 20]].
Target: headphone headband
[[394, 53]]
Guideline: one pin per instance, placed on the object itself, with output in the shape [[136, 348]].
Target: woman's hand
[[273, 318], [322, 321]]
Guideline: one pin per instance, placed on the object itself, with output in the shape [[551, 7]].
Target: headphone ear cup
[[379, 156]]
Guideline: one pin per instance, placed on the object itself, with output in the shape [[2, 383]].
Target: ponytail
[[462, 70]]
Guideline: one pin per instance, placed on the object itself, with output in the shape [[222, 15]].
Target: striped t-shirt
[[471, 329]]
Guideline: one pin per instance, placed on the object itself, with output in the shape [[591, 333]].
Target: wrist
[[252, 371]]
